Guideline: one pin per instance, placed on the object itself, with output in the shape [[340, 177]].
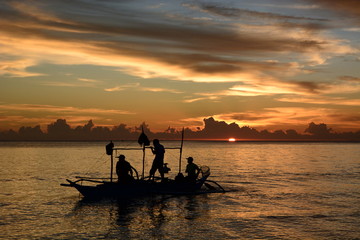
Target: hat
[[190, 158], [121, 156]]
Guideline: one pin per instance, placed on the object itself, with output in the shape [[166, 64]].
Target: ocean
[[274, 191]]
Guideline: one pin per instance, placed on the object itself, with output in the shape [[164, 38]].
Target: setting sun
[[232, 140]]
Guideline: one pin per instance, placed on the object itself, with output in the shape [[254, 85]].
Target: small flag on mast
[[109, 148], [143, 139]]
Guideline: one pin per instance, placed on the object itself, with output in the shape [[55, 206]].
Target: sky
[[267, 64]]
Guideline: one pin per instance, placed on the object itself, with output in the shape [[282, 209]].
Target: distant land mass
[[60, 130]]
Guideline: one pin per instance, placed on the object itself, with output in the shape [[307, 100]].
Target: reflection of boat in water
[[143, 186]]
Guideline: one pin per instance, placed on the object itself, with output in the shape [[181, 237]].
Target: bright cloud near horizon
[[267, 64]]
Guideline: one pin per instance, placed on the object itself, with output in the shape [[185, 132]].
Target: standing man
[[158, 164]]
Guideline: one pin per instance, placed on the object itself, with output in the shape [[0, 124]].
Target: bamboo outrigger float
[[141, 185]]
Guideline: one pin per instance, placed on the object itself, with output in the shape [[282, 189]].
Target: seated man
[[124, 170], [192, 170]]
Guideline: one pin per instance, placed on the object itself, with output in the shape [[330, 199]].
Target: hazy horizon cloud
[[212, 130]]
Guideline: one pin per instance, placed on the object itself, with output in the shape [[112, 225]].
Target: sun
[[232, 140]]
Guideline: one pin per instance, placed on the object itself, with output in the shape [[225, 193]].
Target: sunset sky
[[268, 64]]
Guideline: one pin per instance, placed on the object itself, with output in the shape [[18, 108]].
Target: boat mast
[[181, 147], [143, 163], [111, 168], [143, 141], [109, 151]]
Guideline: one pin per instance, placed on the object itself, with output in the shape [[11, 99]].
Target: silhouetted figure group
[[124, 170]]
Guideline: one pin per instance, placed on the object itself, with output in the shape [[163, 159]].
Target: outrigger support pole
[[181, 147]]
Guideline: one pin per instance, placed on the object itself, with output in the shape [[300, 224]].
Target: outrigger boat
[[141, 185]]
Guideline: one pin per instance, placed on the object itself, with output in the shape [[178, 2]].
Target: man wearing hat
[[124, 170], [192, 170]]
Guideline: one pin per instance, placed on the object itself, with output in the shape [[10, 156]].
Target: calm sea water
[[276, 191]]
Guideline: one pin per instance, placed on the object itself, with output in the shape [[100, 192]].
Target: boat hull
[[138, 188]]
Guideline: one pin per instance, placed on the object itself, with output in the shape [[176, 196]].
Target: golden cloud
[[216, 53], [59, 109]]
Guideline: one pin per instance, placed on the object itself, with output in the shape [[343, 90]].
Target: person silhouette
[[192, 170], [158, 164], [124, 170]]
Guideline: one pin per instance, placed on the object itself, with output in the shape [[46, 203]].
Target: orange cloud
[[16, 115], [17, 68], [59, 109], [252, 53], [216, 54], [291, 118], [346, 7], [322, 100]]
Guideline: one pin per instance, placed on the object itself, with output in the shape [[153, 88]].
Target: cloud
[[123, 87], [267, 117], [345, 7], [138, 87], [340, 101], [353, 29], [59, 109], [15, 115], [244, 13], [289, 91], [152, 89], [68, 84], [291, 118], [290, 6], [275, 87], [148, 48], [88, 80], [206, 96], [350, 79], [312, 87], [246, 90], [17, 67], [148, 45], [255, 53], [278, 118]]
